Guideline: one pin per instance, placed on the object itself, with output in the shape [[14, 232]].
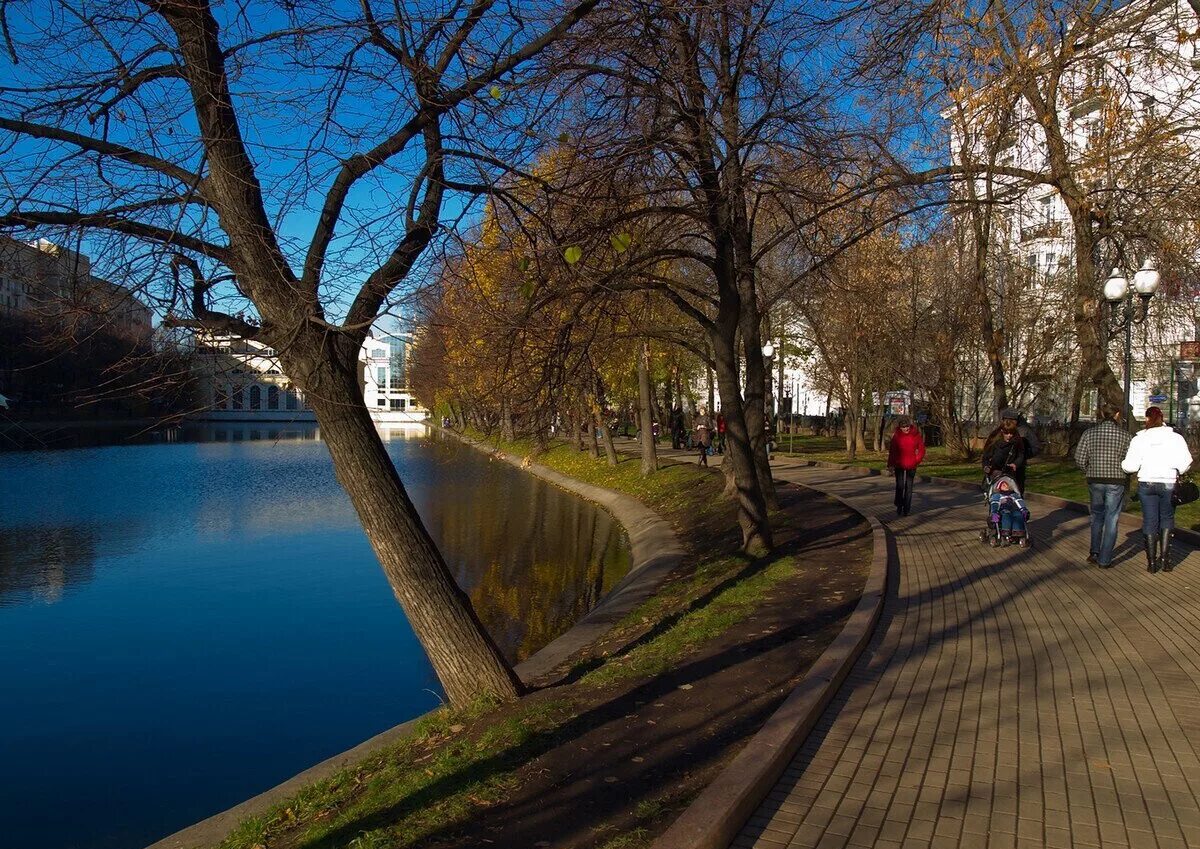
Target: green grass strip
[[694, 629]]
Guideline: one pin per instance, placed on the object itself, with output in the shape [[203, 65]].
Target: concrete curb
[[655, 551], [714, 819]]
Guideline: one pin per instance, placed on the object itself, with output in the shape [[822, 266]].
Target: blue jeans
[[1108, 499], [1158, 513], [1012, 520]]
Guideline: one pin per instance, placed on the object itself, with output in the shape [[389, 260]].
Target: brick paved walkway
[[1010, 698]]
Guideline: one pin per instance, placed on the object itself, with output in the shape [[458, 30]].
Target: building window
[[381, 402], [1046, 210], [379, 354], [222, 398], [413, 405], [396, 402], [290, 400], [272, 397], [381, 376], [256, 397], [237, 398]]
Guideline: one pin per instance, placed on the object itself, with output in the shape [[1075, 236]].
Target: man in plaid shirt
[[1099, 453]]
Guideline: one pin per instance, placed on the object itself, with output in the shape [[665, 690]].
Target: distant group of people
[[1106, 454]]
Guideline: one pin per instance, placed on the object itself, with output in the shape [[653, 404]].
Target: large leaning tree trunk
[[171, 175], [464, 656]]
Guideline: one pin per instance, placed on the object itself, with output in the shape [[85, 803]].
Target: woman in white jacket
[[1159, 456]]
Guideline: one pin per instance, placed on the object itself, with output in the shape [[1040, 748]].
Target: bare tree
[[291, 164], [1100, 103]]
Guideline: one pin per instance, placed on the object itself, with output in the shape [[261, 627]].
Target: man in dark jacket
[[1099, 453]]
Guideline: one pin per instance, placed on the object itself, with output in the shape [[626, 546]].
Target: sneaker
[[1092, 558]]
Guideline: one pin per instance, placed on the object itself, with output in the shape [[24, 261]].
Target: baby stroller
[[1007, 514]]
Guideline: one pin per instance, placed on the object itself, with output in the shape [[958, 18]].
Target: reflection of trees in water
[[43, 562], [532, 558]]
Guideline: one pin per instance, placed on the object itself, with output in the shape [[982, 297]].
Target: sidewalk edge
[[716, 816]]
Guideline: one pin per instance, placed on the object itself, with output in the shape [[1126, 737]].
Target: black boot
[[1164, 550], [1151, 541]]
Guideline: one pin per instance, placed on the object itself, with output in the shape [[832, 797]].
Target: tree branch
[[107, 148], [105, 221]]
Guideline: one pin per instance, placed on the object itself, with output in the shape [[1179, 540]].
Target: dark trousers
[[904, 488], [1158, 513]]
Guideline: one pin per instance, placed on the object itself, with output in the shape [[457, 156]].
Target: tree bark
[[752, 506], [610, 450], [854, 439], [593, 440], [1076, 404], [465, 658], [755, 408], [649, 450], [506, 422]]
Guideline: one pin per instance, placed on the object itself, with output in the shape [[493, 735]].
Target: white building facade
[[1129, 107], [242, 380], [384, 361]]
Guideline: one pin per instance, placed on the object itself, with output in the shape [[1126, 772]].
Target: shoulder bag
[[1185, 491]]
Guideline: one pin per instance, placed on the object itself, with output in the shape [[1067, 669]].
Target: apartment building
[[1128, 102], [54, 288]]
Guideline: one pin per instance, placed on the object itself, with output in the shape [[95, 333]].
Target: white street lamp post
[[1116, 291], [768, 351]]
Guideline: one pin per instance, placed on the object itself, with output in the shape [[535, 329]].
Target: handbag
[[1185, 491]]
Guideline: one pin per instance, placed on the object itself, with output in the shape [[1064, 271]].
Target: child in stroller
[[1007, 513]]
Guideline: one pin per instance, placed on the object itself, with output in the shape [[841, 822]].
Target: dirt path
[[635, 752]]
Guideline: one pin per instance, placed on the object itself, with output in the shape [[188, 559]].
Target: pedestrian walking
[[678, 431], [1100, 452], [905, 452], [720, 433], [703, 437], [1012, 421], [1158, 456], [1005, 450]]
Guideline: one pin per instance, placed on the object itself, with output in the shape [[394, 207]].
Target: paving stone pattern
[[1010, 698]]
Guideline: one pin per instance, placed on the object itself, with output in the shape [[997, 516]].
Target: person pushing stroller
[[1007, 513]]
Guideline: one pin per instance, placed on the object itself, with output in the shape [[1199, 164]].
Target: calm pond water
[[185, 625]]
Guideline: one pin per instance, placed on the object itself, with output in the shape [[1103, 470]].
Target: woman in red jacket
[[905, 453]]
